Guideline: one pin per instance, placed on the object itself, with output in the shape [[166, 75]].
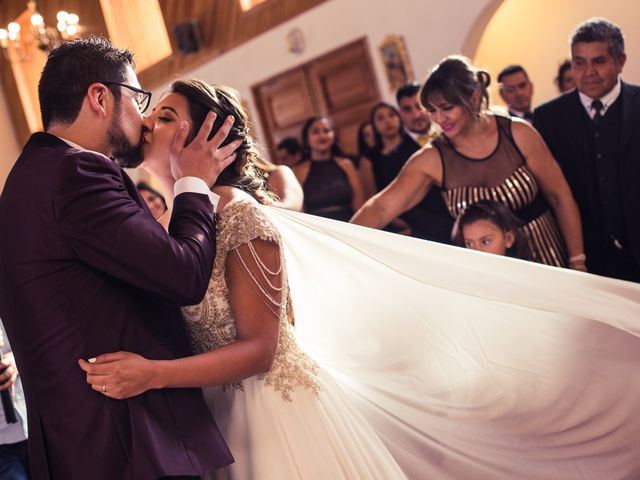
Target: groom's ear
[[98, 98]]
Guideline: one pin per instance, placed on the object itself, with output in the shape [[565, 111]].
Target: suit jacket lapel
[[132, 189]]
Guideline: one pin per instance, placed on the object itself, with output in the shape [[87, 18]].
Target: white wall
[[432, 29], [536, 34]]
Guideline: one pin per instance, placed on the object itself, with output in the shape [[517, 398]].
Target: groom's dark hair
[[69, 71]]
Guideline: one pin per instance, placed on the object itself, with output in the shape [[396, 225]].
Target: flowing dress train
[[442, 362]]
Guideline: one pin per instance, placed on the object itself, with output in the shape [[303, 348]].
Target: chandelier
[[46, 38]]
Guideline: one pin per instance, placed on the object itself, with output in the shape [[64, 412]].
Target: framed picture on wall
[[396, 61]]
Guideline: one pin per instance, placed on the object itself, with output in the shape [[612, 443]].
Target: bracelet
[[578, 258]]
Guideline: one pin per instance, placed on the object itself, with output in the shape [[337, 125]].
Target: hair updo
[[455, 79], [247, 171]]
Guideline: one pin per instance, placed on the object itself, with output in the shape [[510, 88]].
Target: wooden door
[[340, 84]]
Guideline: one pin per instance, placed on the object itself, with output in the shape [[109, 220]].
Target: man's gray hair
[[598, 29]]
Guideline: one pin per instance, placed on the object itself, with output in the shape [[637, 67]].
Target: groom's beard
[[124, 152]]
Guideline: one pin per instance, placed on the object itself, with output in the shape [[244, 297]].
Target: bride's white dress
[[293, 422], [439, 361]]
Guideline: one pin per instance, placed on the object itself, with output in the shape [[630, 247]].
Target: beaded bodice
[[211, 324]]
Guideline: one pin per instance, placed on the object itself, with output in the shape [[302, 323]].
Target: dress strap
[[505, 126], [259, 274]]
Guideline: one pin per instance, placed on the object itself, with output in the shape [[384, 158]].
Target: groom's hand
[[203, 158]]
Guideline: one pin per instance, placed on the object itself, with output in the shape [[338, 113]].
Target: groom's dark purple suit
[[84, 270]]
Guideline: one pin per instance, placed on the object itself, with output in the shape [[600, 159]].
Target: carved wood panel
[[340, 84], [222, 25]]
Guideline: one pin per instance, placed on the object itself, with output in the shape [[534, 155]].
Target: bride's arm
[[255, 297]]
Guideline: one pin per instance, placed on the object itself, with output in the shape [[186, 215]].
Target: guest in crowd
[[331, 184], [154, 199], [13, 436], [393, 146], [366, 139], [416, 119], [593, 132], [366, 145], [283, 183], [430, 220], [480, 155], [565, 80], [516, 90], [392, 149], [289, 152], [491, 227]]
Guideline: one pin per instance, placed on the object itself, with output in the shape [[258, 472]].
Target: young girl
[[491, 227]]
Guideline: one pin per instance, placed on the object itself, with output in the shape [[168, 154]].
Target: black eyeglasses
[[142, 97]]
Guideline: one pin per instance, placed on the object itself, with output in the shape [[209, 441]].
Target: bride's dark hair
[[246, 172]]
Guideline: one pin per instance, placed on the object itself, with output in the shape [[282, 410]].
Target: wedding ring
[[104, 389]]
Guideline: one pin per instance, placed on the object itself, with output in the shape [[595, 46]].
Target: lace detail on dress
[[210, 324]]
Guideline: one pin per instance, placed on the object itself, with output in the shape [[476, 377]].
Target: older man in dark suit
[[85, 269], [594, 133]]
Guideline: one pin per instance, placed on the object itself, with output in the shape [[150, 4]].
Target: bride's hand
[[120, 375]]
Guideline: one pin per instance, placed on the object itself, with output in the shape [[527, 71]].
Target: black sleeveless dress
[[327, 191], [503, 177]]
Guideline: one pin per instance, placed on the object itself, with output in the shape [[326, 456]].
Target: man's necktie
[[597, 106]]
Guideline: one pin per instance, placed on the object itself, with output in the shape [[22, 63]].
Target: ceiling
[[222, 25]]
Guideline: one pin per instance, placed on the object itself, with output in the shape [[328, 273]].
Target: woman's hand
[[120, 375]]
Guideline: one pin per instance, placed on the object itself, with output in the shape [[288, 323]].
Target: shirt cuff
[[195, 185]]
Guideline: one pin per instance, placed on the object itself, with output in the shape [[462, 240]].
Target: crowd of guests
[[565, 170]]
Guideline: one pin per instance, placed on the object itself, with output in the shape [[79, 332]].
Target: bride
[[407, 359]]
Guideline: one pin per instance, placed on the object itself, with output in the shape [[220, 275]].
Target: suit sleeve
[[540, 124], [109, 231]]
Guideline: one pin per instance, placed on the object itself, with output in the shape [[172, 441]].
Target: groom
[[85, 269]]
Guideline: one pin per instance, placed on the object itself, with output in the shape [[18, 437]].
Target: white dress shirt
[[606, 100]]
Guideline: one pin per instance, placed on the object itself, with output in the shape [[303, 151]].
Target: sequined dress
[[503, 177], [293, 422]]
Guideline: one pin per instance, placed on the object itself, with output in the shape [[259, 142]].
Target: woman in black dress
[[330, 182]]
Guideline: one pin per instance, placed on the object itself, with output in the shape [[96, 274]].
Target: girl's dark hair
[[245, 172], [372, 115], [562, 69], [336, 151], [364, 150], [500, 216], [455, 79]]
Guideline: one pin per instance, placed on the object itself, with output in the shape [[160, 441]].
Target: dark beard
[[123, 151]]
